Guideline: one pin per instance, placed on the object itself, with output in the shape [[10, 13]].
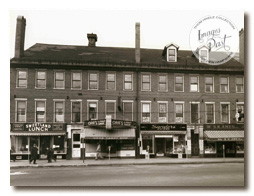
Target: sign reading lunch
[[38, 127], [214, 39]]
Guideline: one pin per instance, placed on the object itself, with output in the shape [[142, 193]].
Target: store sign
[[164, 127], [226, 139], [113, 123], [37, 127], [224, 127]]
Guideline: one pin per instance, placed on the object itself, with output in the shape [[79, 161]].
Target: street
[[225, 174]]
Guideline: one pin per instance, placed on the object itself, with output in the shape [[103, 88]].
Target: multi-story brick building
[[134, 100]]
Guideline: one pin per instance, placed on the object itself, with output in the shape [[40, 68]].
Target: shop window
[[179, 83], [209, 84], [162, 86], [111, 109], [162, 113], [194, 84], [194, 113], [21, 79], [146, 112], [240, 111], [19, 144], [209, 113], [111, 81], [92, 110], [128, 81], [239, 85], [146, 82], [225, 113], [239, 147], [169, 146], [76, 82], [179, 112], [40, 111], [76, 111], [58, 144], [210, 147], [40, 79], [224, 85], [20, 111], [59, 111], [148, 143], [93, 81], [127, 145], [127, 111], [179, 144], [59, 80]]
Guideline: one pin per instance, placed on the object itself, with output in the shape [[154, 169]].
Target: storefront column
[[69, 144], [188, 151], [201, 141]]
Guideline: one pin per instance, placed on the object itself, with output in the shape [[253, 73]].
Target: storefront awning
[[163, 132], [119, 134], [27, 133], [224, 135]]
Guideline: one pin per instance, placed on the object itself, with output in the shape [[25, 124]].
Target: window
[[146, 82], [40, 111], [92, 110], [111, 81], [209, 113], [76, 111], [19, 144], [93, 81], [76, 82], [162, 86], [20, 111], [111, 109], [59, 144], [224, 85], [203, 55], [22, 79], [128, 82], [179, 83], [40, 79], [148, 143], [127, 111], [59, 111], [171, 55], [240, 111], [162, 112], [194, 84], [179, 112], [209, 84], [225, 113], [239, 85], [146, 112], [59, 80], [194, 113]]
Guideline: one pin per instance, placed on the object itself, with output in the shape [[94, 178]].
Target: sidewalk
[[119, 162]]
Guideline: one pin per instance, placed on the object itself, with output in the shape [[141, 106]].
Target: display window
[[179, 144], [148, 143], [210, 147], [59, 144], [239, 147], [19, 145]]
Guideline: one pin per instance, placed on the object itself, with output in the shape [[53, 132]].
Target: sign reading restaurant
[[37, 127], [164, 127]]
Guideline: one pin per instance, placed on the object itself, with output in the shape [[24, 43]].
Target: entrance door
[[194, 144], [76, 144], [160, 147]]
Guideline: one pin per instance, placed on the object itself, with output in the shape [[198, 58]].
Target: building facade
[[130, 100]]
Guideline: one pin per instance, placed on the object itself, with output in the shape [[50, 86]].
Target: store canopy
[[232, 135], [28, 133], [93, 133]]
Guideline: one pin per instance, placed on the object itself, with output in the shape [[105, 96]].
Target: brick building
[[131, 100]]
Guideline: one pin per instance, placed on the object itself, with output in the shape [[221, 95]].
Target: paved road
[[225, 174]]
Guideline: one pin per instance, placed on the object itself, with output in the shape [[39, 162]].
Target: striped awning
[[232, 135], [27, 133]]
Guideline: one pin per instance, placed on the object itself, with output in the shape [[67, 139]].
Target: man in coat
[[34, 154]]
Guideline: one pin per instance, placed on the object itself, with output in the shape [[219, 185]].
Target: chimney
[[92, 39], [137, 43], [241, 46], [20, 36]]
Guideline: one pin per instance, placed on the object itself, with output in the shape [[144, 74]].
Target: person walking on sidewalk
[[98, 152], [52, 154], [33, 154], [49, 155]]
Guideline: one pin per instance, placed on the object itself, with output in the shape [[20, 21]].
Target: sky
[[114, 28]]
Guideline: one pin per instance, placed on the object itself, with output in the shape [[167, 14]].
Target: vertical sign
[[108, 122]]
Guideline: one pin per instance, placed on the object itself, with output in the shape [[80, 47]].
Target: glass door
[[76, 144]]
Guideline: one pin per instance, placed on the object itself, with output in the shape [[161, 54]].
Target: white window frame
[[198, 103], [150, 83], [146, 102], [172, 48], [175, 103], [106, 87], [162, 102], [80, 101], [110, 101], [178, 75], [16, 109], [17, 78], [166, 75], [236, 84], [93, 72], [59, 100], [208, 76], [225, 103], [59, 71], [127, 73], [200, 56], [240, 103], [42, 100], [220, 83], [36, 78], [197, 82], [80, 72], [88, 114], [128, 101], [210, 103]]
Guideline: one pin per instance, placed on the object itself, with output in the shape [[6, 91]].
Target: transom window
[[76, 82], [224, 85], [93, 81], [40, 79], [59, 80], [111, 81], [209, 84], [22, 79], [146, 82]]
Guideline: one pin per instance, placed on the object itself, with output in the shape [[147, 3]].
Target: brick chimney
[[92, 39], [241, 46], [137, 43], [20, 36]]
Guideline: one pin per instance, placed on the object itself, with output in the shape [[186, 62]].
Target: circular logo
[[214, 40]]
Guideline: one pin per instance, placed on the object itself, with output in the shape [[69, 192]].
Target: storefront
[[116, 137], [224, 140], [45, 135], [163, 140]]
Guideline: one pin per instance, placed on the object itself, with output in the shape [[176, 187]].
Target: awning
[[27, 133], [224, 135], [119, 134], [163, 132]]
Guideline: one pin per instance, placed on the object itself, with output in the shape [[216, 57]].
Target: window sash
[[76, 111], [22, 79], [110, 109], [179, 83], [76, 80], [128, 82], [40, 111], [93, 81], [209, 113], [59, 79], [194, 113], [59, 111], [225, 113], [92, 110], [127, 111], [21, 111]]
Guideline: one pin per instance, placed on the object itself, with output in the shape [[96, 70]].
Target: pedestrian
[[34, 154], [98, 152], [52, 154], [12, 151], [48, 155]]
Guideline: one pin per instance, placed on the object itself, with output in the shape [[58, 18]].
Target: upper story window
[[20, 110], [162, 85], [128, 81], [76, 80], [92, 110], [76, 111], [171, 51], [225, 113], [209, 113], [40, 107], [40, 79], [194, 87], [239, 85], [240, 112], [179, 81], [111, 109], [209, 84], [203, 53], [93, 81], [146, 112], [59, 80], [128, 110], [195, 113], [21, 79], [162, 118], [59, 111], [224, 85], [111, 81], [146, 82], [179, 114]]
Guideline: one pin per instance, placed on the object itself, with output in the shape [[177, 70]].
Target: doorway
[[44, 144], [230, 149], [194, 144], [76, 144], [160, 147]]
